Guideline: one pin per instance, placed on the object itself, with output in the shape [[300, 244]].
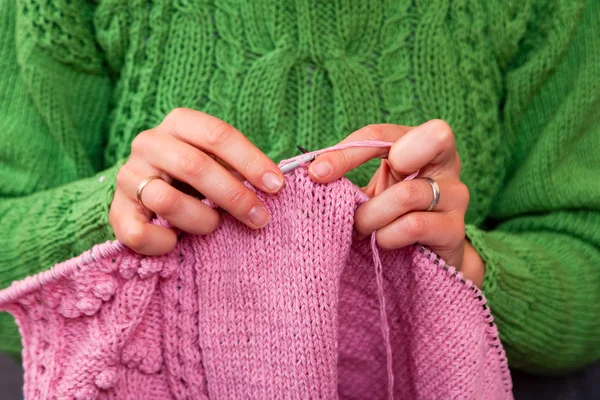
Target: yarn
[[294, 310]]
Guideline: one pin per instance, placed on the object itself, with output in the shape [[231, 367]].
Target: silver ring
[[436, 193], [143, 184]]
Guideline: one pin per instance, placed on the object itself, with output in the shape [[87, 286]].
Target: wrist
[[472, 267]]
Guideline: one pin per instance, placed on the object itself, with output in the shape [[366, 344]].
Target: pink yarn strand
[[385, 329]]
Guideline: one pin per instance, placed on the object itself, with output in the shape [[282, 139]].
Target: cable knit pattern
[[518, 83], [62, 28], [289, 311]]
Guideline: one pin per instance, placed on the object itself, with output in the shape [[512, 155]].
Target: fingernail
[[272, 181], [259, 216], [320, 169]]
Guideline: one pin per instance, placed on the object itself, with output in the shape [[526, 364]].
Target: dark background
[[582, 385]]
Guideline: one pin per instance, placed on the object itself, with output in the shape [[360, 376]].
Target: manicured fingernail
[[259, 216], [320, 169], [272, 181]]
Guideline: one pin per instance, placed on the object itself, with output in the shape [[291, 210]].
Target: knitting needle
[[297, 164], [302, 149]]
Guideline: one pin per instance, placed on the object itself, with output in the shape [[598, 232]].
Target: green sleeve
[[541, 244], [55, 191]]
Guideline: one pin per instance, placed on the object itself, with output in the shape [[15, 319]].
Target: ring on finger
[[436, 193], [142, 185]]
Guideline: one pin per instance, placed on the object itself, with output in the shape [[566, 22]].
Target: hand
[[185, 147], [396, 210]]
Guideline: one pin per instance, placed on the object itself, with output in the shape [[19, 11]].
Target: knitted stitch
[[517, 81], [289, 311]]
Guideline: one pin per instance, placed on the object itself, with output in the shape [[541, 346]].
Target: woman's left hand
[[397, 208]]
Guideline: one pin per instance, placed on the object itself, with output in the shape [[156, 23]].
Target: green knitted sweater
[[519, 83]]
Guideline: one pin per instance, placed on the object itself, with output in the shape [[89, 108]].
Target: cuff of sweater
[[529, 285], [58, 224], [83, 214], [88, 214], [506, 279]]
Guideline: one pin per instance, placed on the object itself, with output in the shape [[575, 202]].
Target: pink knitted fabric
[[289, 311]]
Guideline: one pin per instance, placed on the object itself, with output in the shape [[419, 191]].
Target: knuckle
[[443, 132], [384, 241], [166, 202], [395, 161], [140, 141], [191, 165], [440, 125], [177, 113], [211, 222], [363, 223], [458, 233], [219, 135], [112, 217], [248, 162], [237, 197], [344, 160], [464, 193], [360, 221], [372, 132], [172, 120], [461, 196], [416, 225], [409, 195], [122, 176], [134, 236]]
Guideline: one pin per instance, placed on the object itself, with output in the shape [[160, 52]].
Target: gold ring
[[143, 185]]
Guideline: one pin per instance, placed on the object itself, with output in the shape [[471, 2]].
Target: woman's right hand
[[183, 148]]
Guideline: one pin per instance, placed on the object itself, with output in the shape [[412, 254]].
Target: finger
[[431, 143], [188, 164], [181, 210], [206, 132], [331, 166], [132, 227], [407, 196], [379, 181], [444, 231]]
